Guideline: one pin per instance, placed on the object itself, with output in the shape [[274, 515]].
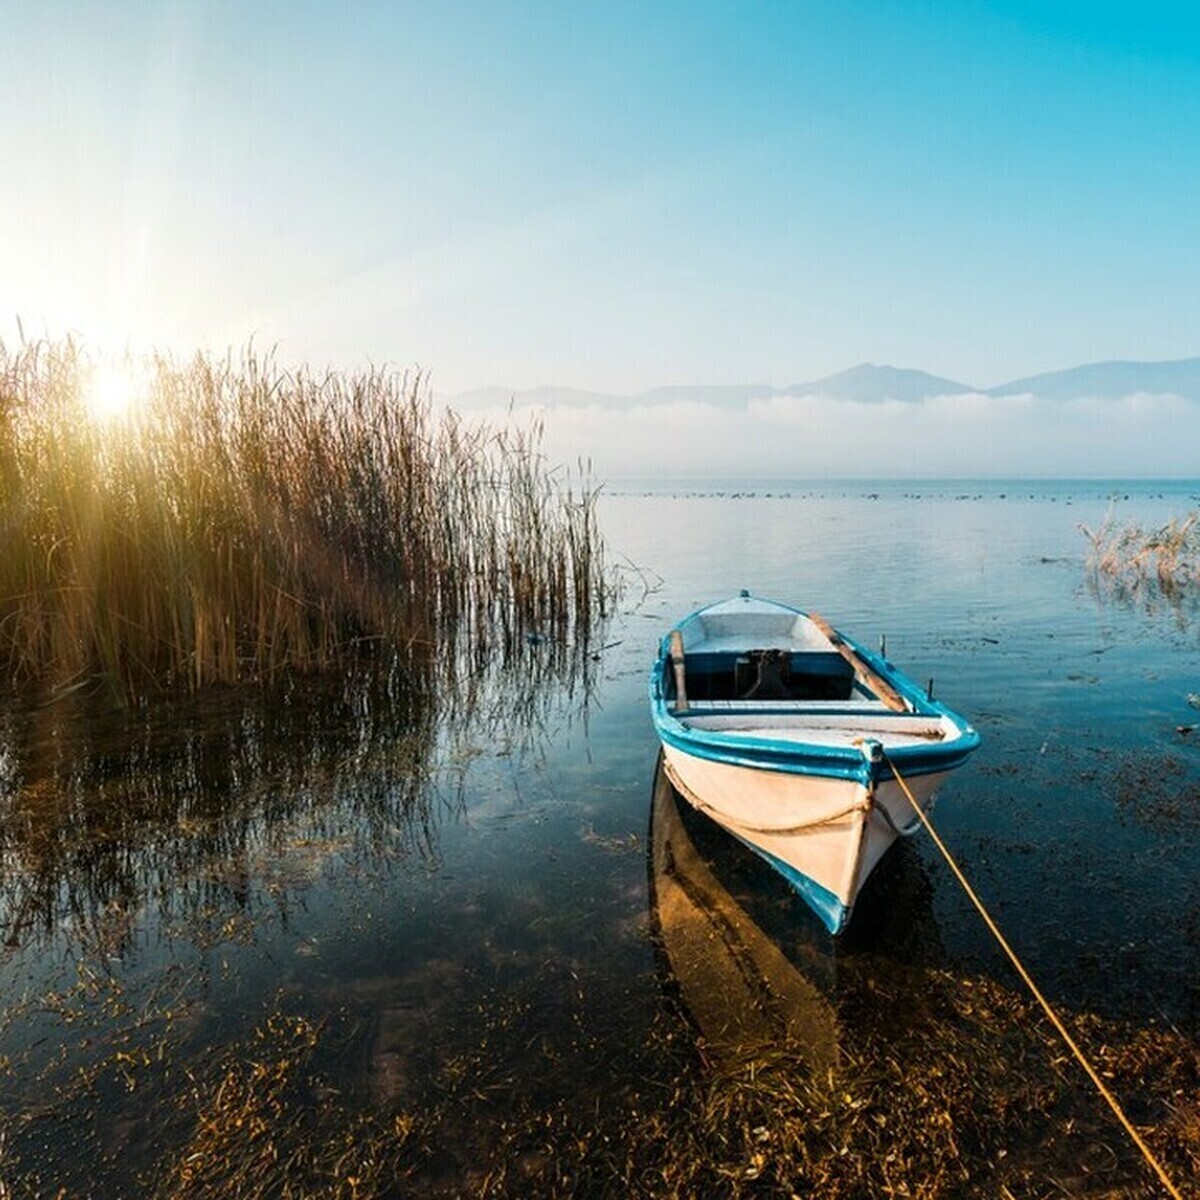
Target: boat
[[790, 736], [745, 997]]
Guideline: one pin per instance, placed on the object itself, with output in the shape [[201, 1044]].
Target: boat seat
[[793, 706]]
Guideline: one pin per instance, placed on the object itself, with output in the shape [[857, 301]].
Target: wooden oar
[[876, 683], [677, 658]]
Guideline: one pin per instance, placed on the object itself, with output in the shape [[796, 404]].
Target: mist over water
[[1141, 435]]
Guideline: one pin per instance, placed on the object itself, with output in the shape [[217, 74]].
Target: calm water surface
[[462, 917]]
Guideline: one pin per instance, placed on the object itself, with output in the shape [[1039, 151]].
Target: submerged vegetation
[[1134, 554], [224, 521], [965, 1097]]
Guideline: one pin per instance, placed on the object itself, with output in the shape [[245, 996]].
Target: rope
[[1147, 1153]]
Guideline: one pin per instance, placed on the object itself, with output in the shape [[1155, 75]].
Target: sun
[[113, 390]]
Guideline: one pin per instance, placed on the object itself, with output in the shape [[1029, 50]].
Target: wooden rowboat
[[790, 735]]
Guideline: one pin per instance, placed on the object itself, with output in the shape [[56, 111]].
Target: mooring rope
[[1112, 1101]]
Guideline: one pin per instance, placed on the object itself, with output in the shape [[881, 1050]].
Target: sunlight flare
[[114, 390]]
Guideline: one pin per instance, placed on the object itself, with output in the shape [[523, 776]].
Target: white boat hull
[[826, 835]]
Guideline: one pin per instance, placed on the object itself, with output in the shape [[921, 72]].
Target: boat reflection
[[754, 969], [741, 991]]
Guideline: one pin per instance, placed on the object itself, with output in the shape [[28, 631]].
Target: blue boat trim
[[831, 911], [828, 762], [831, 762]]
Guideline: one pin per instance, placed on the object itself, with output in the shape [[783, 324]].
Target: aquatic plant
[[959, 1099], [227, 520], [1134, 553]]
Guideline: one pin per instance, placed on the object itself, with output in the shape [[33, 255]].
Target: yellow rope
[[1033, 987]]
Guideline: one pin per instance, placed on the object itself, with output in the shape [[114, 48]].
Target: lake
[[356, 939]]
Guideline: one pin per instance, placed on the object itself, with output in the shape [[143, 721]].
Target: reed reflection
[[202, 805], [1157, 600]]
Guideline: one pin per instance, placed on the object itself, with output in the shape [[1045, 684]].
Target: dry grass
[[973, 1099], [1133, 553], [243, 520], [961, 1090], [976, 1103]]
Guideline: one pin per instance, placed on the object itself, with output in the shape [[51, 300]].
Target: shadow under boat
[[739, 988], [753, 969]]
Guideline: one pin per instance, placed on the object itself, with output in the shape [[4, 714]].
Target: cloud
[[790, 437]]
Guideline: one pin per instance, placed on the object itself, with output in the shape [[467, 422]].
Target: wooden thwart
[[878, 685]]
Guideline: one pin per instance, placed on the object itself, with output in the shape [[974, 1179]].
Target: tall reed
[[242, 520], [1133, 553]]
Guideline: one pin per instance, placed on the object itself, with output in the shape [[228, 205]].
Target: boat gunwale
[[808, 758]]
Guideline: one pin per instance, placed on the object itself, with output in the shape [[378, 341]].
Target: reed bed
[[1133, 553], [241, 520]]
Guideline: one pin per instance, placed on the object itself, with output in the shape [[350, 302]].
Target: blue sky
[[611, 196]]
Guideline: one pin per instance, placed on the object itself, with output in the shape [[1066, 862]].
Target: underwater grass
[[970, 1099], [241, 520]]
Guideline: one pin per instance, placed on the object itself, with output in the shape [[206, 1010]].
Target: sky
[[612, 196]]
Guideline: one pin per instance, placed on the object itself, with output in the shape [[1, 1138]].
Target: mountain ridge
[[870, 383], [1110, 380]]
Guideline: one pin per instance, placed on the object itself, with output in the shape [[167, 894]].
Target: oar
[[677, 659], [876, 683]]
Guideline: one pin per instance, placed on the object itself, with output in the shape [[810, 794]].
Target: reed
[[1134, 553], [243, 520]]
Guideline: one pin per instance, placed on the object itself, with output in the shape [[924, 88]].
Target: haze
[[620, 197]]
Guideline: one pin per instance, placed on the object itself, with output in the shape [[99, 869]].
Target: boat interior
[[767, 675], [776, 693]]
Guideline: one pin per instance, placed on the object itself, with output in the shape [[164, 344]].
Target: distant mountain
[[1111, 381], [869, 384], [866, 383], [736, 395]]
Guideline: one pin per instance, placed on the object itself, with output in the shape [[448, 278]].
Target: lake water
[[345, 939]]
